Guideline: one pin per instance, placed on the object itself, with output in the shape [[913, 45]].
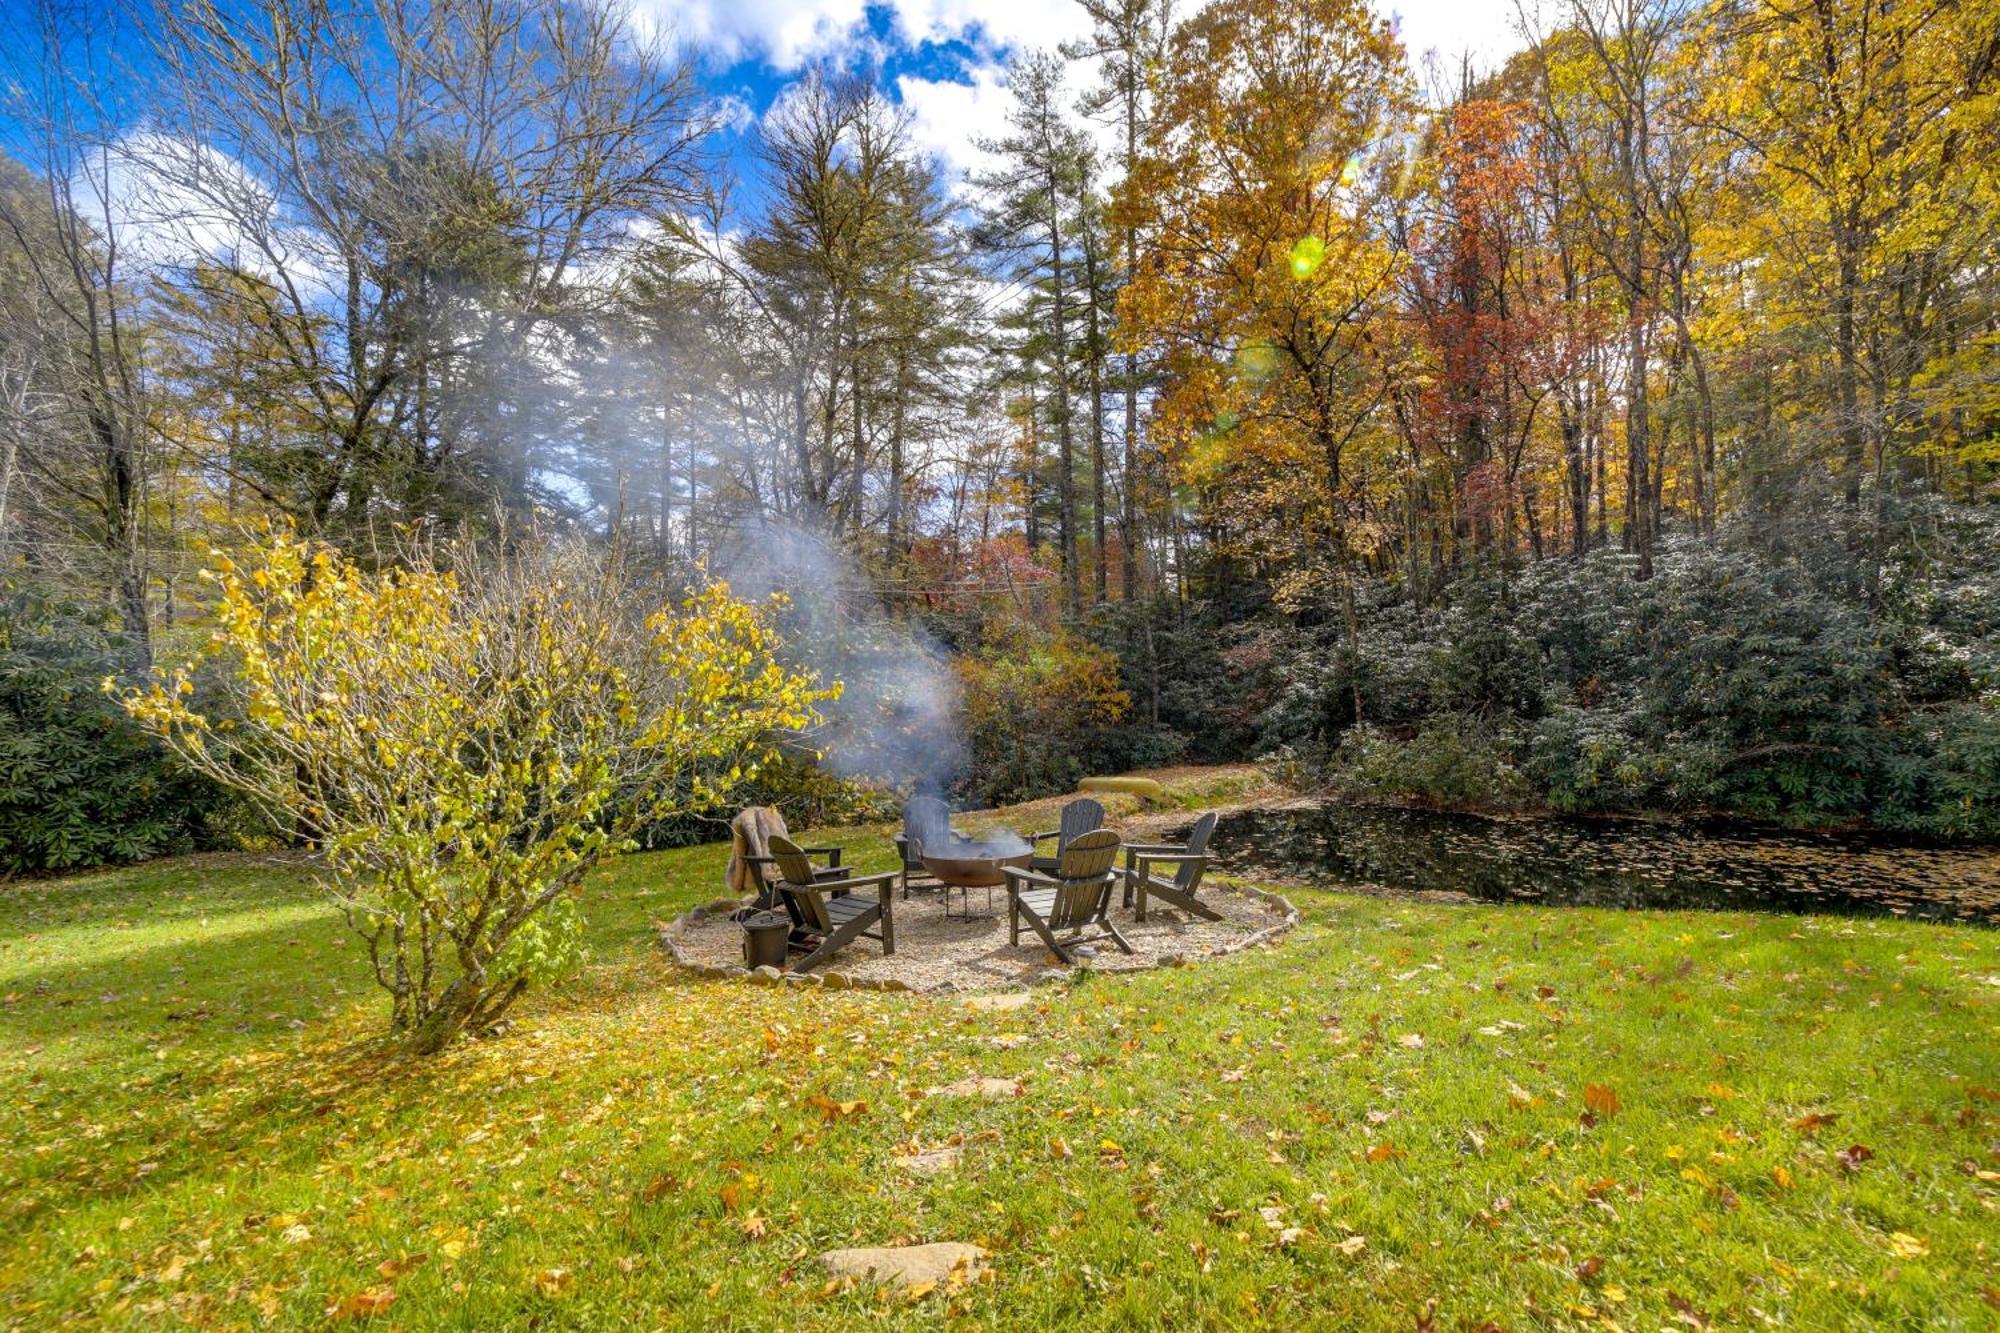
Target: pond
[[1611, 862]]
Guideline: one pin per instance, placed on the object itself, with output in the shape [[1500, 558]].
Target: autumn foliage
[[464, 744]]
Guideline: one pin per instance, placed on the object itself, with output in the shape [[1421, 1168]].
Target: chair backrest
[[1081, 816], [795, 875], [1084, 869], [1189, 873], [926, 823]]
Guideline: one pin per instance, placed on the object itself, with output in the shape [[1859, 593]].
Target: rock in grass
[[935, 1162], [998, 1000], [907, 1264], [980, 1085]]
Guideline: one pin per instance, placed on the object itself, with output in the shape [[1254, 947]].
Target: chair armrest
[[1155, 848], [1052, 833], [1141, 869], [883, 878], [831, 853], [1012, 873]]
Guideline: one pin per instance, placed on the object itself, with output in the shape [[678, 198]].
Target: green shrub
[[1039, 710], [1453, 761], [1795, 684], [80, 784]]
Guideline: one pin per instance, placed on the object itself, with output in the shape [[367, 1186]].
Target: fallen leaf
[[1807, 1124], [1589, 1268], [1782, 1176], [832, 1110], [1851, 1158], [395, 1268], [362, 1304], [1905, 1246], [1382, 1152], [554, 1281], [1352, 1246], [1412, 1040], [1600, 1099]]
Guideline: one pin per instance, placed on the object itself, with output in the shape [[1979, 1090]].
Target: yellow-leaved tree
[[1265, 276], [465, 736]]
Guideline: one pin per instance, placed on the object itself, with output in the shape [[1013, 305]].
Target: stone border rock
[[770, 976]]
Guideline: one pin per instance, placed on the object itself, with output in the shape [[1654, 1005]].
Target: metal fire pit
[[971, 865], [967, 871]]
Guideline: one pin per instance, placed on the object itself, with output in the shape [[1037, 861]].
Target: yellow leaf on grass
[[395, 1268], [1782, 1176], [554, 1281], [1905, 1246], [362, 1304]]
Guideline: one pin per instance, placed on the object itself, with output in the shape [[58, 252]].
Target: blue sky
[[945, 59]]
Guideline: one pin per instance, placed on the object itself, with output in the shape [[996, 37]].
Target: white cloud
[[790, 33], [171, 202], [994, 25], [1484, 29], [732, 113], [947, 118], [787, 33]]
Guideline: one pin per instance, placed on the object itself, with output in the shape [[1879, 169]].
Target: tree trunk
[[1065, 446], [1096, 364]]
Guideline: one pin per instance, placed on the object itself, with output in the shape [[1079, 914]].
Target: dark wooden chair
[[765, 868], [1072, 900], [1189, 860], [926, 823], [827, 915], [1079, 817]]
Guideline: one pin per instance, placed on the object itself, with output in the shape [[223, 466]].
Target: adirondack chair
[[1079, 817], [753, 868], [1189, 860], [1077, 896], [926, 823], [829, 910]]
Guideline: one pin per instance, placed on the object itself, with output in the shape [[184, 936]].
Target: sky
[[946, 59]]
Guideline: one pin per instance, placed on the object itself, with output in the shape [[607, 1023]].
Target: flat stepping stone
[[979, 1085], [909, 1265], [999, 1001], [934, 1162]]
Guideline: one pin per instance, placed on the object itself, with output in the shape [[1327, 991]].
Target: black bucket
[[764, 938]]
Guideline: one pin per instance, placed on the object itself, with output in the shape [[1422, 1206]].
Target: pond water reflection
[[1612, 863]]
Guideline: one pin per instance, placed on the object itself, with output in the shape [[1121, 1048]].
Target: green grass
[[196, 1126]]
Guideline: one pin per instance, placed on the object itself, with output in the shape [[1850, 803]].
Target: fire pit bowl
[[970, 871]]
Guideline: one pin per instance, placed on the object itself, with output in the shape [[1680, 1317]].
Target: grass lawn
[[1535, 1118]]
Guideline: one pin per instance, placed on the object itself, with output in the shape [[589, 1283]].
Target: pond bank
[[1602, 862]]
